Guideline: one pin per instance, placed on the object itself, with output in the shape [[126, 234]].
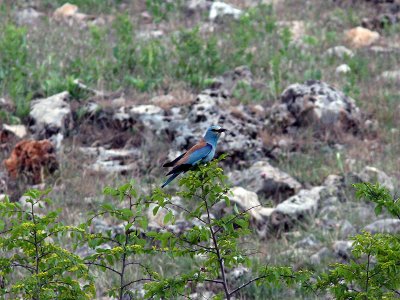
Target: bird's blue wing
[[194, 156], [198, 155]]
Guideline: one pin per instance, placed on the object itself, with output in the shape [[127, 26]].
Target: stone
[[197, 6], [111, 160], [342, 249], [391, 226], [340, 52], [32, 159], [28, 16], [342, 69], [267, 181], [317, 104], [390, 76], [151, 116], [152, 34], [297, 208], [219, 10], [18, 130], [51, 115], [360, 37], [244, 200], [374, 175]]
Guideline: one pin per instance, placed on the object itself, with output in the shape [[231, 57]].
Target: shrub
[[374, 271], [33, 264]]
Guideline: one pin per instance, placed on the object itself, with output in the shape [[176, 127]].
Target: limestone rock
[[390, 76], [339, 51], [266, 181], [18, 130], [220, 9], [297, 208], [342, 69], [28, 16], [111, 160], [314, 103], [384, 226], [244, 200], [342, 249], [373, 175], [51, 115]]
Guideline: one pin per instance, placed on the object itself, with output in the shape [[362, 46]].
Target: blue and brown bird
[[202, 152]]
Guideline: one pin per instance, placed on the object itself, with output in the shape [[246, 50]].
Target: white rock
[[246, 200], [266, 180], [19, 130], [342, 248], [221, 9], [146, 109], [390, 76], [111, 160], [27, 16], [373, 175], [384, 225], [53, 113], [305, 203], [342, 69], [339, 51]]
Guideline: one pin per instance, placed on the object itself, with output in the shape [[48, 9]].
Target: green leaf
[[235, 209], [155, 210], [168, 217]]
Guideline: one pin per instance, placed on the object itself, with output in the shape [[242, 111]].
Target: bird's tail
[[172, 177]]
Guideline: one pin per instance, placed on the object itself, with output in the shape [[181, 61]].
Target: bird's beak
[[222, 130]]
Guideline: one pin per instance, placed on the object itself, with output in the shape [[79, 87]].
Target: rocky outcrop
[[32, 160], [245, 201], [267, 181], [314, 104], [384, 226], [51, 116], [298, 208], [374, 175], [220, 10]]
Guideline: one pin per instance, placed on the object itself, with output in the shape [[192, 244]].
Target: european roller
[[202, 152]]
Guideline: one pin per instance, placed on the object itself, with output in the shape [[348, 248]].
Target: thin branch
[[135, 281], [103, 266], [220, 259], [29, 268], [246, 284]]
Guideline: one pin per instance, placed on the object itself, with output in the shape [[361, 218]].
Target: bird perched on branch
[[202, 152]]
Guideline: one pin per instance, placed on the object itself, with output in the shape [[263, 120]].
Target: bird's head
[[213, 133]]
